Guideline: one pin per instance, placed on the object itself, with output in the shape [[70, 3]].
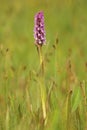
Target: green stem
[[69, 110], [42, 86], [39, 48]]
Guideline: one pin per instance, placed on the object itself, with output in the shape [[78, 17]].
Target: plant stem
[[39, 48], [69, 110], [83, 88], [41, 82]]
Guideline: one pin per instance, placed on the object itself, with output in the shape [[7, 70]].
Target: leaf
[[76, 98]]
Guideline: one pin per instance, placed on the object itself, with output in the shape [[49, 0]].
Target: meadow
[[64, 84]]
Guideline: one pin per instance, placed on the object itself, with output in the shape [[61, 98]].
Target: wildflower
[[39, 31]]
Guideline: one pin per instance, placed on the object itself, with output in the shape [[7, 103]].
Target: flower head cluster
[[39, 31]]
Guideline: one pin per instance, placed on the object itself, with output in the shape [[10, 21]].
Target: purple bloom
[[39, 31]]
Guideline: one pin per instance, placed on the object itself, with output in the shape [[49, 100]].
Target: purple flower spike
[[39, 31]]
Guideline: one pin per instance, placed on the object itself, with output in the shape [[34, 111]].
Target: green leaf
[[76, 98]]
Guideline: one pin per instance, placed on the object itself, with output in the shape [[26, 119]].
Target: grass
[[65, 62]]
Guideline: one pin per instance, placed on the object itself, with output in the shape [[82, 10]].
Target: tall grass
[[65, 67]]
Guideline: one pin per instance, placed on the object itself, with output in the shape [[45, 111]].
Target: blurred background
[[67, 18]]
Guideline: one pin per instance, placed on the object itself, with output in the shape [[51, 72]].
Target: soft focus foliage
[[65, 61]]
